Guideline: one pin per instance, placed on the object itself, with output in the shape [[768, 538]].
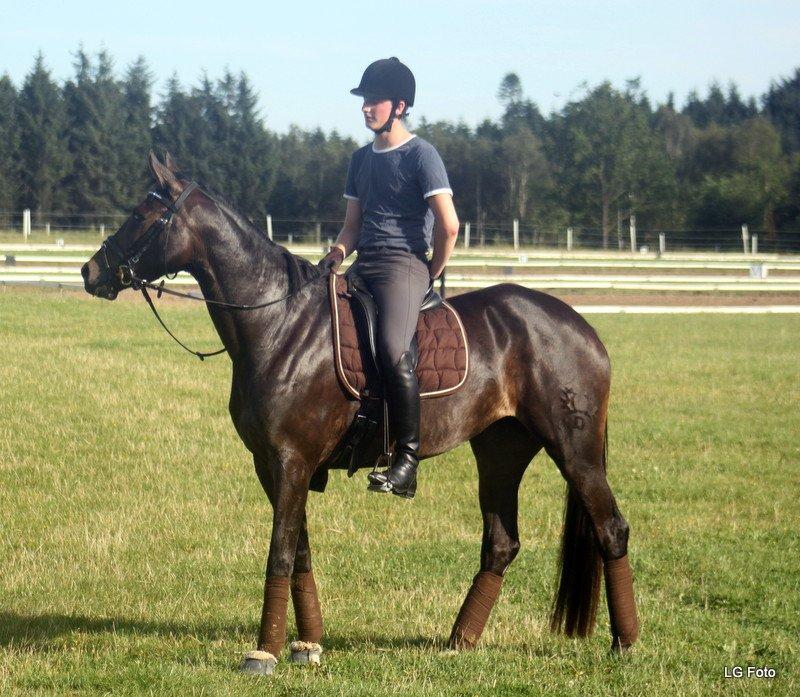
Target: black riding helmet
[[387, 78]]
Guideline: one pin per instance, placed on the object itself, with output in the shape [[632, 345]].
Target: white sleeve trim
[[350, 198], [445, 190]]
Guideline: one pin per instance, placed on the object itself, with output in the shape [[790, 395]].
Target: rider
[[399, 204]]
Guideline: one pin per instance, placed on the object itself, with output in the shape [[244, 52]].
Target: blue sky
[[303, 57]]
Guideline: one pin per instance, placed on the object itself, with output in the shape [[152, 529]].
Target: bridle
[[128, 259]]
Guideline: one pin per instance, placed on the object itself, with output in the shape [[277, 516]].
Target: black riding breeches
[[398, 280]]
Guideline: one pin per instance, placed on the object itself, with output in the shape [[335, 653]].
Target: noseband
[[128, 259]]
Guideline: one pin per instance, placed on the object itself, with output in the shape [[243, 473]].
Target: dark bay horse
[[539, 378]]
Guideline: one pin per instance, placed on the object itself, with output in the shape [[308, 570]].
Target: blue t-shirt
[[392, 186]]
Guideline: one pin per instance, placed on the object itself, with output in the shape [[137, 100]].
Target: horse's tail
[[580, 568]]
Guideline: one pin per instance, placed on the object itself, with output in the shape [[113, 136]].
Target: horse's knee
[[613, 538]]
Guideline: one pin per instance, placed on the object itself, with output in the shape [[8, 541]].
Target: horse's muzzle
[[97, 283]]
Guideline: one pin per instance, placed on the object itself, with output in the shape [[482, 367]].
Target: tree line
[[715, 163]]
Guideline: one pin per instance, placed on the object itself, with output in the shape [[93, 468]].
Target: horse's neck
[[238, 266]]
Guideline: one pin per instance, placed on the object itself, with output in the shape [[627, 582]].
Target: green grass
[[133, 532]]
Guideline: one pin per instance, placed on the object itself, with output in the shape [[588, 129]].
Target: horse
[[539, 377]]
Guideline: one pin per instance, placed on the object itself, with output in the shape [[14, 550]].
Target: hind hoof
[[306, 652], [258, 663]]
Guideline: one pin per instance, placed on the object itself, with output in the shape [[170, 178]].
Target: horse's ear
[[165, 178], [169, 162]]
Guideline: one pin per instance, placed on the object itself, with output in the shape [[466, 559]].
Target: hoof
[[259, 663], [306, 652], [620, 649]]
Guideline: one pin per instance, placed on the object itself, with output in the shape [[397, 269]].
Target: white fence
[[485, 235], [474, 268]]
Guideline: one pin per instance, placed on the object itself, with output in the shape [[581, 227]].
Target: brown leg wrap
[[475, 611], [306, 607], [273, 618], [621, 605]]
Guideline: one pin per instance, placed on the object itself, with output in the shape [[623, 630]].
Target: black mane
[[298, 269]]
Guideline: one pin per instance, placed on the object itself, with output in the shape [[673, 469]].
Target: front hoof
[[259, 663], [306, 652], [620, 649]]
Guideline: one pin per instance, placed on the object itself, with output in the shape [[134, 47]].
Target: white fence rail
[[50, 264]]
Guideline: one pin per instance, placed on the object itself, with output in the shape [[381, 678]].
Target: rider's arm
[[445, 231], [348, 237]]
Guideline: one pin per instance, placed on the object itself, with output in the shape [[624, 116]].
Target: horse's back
[[536, 309], [534, 325]]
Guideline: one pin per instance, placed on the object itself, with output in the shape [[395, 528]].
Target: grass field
[[133, 531]]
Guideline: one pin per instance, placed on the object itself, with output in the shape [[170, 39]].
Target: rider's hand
[[332, 260]]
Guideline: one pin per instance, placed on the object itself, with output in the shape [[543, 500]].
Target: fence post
[[102, 230], [745, 235], [291, 237], [754, 244], [516, 233], [47, 229], [466, 235], [318, 231], [569, 239], [662, 243], [26, 224], [633, 233], [269, 226]]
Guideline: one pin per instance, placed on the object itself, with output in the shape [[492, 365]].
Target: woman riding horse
[[539, 378], [398, 201]]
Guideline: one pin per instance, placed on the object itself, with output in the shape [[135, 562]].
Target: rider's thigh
[[398, 282]]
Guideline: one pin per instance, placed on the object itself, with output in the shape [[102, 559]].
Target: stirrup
[[387, 487], [381, 482]]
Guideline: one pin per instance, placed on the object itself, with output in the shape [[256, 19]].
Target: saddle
[[439, 351], [438, 348]]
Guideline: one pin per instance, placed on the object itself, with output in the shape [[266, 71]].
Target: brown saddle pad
[[442, 342]]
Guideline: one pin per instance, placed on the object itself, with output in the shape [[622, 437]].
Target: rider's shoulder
[[424, 147]]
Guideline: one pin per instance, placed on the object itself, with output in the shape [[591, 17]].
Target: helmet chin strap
[[388, 125]]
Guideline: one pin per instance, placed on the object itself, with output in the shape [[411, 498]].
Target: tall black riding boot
[[402, 396]]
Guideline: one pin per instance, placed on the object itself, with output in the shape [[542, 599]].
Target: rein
[[142, 285], [128, 260]]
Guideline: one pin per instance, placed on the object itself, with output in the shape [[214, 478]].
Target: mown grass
[[133, 532]]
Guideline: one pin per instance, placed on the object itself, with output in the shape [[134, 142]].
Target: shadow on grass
[[39, 632]]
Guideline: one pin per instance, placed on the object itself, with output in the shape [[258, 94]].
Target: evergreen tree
[[612, 160], [741, 177], [510, 90], [518, 111], [43, 152], [212, 135], [96, 135], [138, 119], [737, 111], [704, 112], [782, 106], [9, 145], [179, 128]]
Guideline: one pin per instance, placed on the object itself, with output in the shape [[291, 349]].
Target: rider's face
[[376, 112]]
